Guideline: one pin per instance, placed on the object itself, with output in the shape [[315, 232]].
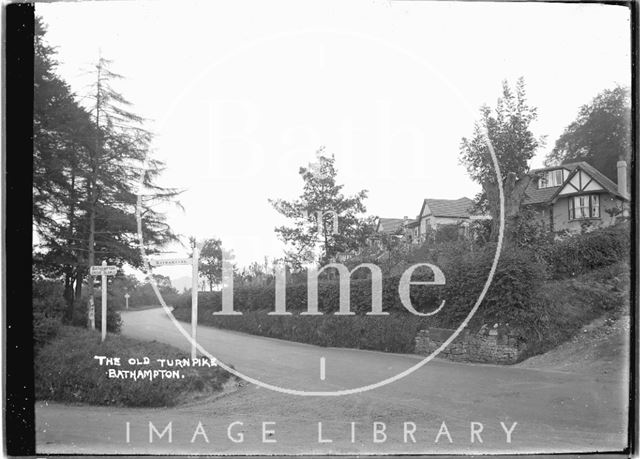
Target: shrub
[[48, 308], [511, 298], [568, 304], [44, 329], [581, 253], [47, 297], [66, 371], [80, 315]]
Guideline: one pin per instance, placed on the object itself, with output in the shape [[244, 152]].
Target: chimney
[[622, 178]]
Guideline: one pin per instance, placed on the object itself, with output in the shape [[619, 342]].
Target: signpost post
[[126, 300], [193, 261], [104, 271]]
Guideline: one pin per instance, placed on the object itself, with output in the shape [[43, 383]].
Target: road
[[443, 401]]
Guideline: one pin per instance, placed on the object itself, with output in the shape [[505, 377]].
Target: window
[[551, 178], [586, 206]]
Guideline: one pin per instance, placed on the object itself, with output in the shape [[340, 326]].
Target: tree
[[87, 166], [324, 219], [600, 135], [61, 143], [508, 129], [210, 262]]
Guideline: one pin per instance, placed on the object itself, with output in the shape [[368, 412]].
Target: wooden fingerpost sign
[[104, 271], [193, 261]]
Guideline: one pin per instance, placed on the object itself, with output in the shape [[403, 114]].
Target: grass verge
[[66, 371]]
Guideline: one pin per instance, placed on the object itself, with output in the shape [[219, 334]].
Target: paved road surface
[[553, 410]]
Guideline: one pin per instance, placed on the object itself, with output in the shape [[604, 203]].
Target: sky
[[242, 93]]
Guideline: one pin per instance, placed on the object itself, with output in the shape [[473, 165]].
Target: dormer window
[[551, 178]]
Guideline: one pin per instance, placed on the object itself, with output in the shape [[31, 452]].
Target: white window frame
[[551, 179], [584, 206]]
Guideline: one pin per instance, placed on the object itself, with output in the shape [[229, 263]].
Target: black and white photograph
[[368, 227]]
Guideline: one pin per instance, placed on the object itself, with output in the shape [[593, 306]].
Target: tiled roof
[[602, 179], [533, 195], [455, 208], [389, 225]]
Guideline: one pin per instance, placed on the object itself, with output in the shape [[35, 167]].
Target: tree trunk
[[513, 195], [69, 274], [68, 295], [92, 203], [91, 262]]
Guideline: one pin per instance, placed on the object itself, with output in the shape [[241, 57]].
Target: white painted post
[[126, 300], [104, 301], [194, 300]]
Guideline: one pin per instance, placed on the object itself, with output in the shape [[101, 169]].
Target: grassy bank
[[66, 371]]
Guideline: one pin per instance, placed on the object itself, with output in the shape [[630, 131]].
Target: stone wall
[[488, 345]]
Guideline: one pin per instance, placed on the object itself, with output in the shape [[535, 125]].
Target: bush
[[47, 298], [511, 298], [567, 305], [581, 253], [66, 371], [44, 329], [80, 315], [48, 308], [394, 333]]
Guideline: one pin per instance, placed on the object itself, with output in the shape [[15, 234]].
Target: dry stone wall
[[489, 345]]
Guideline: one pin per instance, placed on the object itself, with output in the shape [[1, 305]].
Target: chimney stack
[[622, 178]]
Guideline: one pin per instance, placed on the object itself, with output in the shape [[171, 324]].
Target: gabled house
[[439, 212], [403, 228], [389, 225], [565, 197]]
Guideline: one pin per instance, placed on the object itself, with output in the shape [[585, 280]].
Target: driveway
[[435, 410]]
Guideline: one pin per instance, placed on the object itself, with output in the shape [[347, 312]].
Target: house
[[440, 212], [565, 197], [389, 225], [403, 228]]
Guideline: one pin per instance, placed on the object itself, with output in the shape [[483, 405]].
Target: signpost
[[126, 300], [104, 271], [193, 261]]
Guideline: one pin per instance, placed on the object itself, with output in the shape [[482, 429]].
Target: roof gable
[[585, 178], [582, 177], [453, 208], [389, 225]]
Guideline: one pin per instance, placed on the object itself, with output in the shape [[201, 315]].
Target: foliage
[[600, 135], [322, 196], [257, 273], [392, 334], [582, 253], [48, 307], [526, 231], [47, 297], [66, 371], [508, 129], [210, 262], [87, 166], [511, 298], [569, 304]]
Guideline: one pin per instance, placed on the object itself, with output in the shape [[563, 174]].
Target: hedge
[[581, 253], [511, 298]]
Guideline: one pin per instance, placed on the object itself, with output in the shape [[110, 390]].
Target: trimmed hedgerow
[[545, 295], [511, 298]]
